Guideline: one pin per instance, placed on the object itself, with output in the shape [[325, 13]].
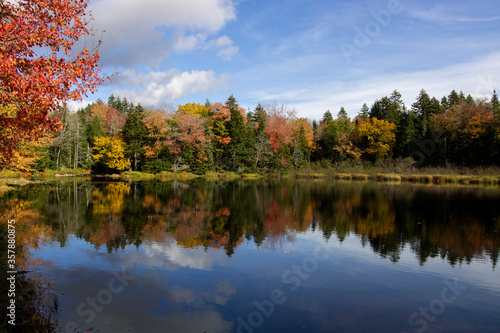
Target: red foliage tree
[[465, 121], [188, 131], [220, 115], [278, 128], [37, 69]]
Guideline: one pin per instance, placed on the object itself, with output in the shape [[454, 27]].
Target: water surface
[[270, 256]]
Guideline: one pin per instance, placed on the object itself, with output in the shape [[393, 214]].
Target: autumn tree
[[302, 141], [39, 66], [469, 128], [188, 141], [111, 119], [31, 155], [219, 116], [194, 109], [334, 137], [376, 138], [279, 132], [109, 155], [155, 152]]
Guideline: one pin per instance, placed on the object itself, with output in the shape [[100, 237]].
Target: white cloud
[[224, 44], [148, 31], [182, 257], [77, 105], [228, 52], [478, 77], [154, 88], [445, 14]]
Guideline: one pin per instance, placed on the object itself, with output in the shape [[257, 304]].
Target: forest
[[117, 135]]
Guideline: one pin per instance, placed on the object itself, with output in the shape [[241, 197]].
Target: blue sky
[[312, 56]]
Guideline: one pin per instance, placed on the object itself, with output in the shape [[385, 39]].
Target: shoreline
[[16, 180]]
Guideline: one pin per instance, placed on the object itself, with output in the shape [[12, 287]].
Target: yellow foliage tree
[[28, 153], [376, 138], [296, 124], [194, 109], [110, 153]]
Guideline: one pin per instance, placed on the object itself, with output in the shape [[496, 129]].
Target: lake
[[268, 255]]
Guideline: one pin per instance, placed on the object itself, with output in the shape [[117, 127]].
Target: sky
[[311, 55]]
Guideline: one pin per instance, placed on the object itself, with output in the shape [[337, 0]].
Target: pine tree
[[342, 113], [135, 134], [453, 99], [327, 117], [301, 152], [495, 105], [237, 152], [364, 112], [262, 146]]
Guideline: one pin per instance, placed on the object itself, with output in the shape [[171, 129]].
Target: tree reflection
[[36, 305], [457, 224]]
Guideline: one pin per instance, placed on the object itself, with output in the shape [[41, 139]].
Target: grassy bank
[[413, 178], [400, 171], [395, 171]]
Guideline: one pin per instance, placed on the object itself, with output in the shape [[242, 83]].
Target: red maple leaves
[[37, 70]]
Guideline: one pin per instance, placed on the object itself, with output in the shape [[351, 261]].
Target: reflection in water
[[457, 224], [35, 306], [202, 254]]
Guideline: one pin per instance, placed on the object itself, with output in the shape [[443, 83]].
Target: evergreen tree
[[301, 152], [495, 105], [94, 129], [327, 136], [262, 146], [364, 112], [121, 105], [453, 99], [444, 103], [388, 108], [327, 117], [135, 134], [342, 113], [238, 150], [425, 108], [470, 99]]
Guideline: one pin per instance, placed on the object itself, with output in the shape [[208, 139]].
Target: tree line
[[118, 135]]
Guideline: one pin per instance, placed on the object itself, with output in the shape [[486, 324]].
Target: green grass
[[10, 174], [251, 176], [64, 171], [137, 174]]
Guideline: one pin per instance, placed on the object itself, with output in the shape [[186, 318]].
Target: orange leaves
[[296, 124], [278, 128], [466, 120], [219, 112], [33, 75]]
